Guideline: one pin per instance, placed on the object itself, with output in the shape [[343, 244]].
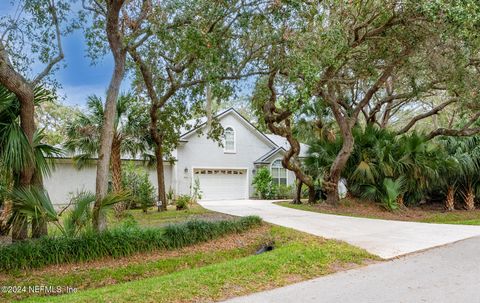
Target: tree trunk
[[115, 41], [450, 199], [20, 228], [39, 228], [311, 195], [116, 168], [162, 195], [400, 201], [24, 92], [116, 165], [470, 199], [298, 193], [5, 218], [331, 182]]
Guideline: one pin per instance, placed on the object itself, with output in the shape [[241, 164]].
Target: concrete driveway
[[443, 275], [384, 238]]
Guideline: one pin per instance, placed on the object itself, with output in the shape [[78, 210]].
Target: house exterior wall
[[279, 156], [200, 152], [66, 180]]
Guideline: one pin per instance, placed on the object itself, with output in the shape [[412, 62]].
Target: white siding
[[67, 180], [201, 152]]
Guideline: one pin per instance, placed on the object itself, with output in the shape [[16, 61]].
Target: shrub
[[136, 180], [117, 242], [283, 191], [170, 195], [183, 201], [262, 181]]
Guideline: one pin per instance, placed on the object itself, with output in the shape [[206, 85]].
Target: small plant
[[196, 192], [387, 194], [170, 196], [262, 181], [136, 180], [182, 202]]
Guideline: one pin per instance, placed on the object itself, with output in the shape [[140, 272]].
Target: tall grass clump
[[115, 243]]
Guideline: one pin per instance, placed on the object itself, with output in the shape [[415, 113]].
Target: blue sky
[[77, 76]]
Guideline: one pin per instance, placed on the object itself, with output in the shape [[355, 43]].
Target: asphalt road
[[447, 274]]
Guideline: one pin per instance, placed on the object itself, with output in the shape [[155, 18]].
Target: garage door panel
[[222, 184]]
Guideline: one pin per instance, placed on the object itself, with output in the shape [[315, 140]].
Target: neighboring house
[[222, 172]]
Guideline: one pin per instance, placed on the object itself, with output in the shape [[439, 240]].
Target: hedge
[[115, 243]]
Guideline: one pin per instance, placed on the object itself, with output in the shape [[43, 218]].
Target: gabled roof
[[219, 116], [283, 142], [278, 143], [263, 159]]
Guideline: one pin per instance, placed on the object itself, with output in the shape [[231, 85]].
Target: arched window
[[279, 173], [229, 136]]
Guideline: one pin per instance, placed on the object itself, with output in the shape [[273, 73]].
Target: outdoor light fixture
[[185, 170]]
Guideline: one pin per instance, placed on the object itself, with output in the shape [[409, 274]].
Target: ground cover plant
[[210, 272], [118, 242]]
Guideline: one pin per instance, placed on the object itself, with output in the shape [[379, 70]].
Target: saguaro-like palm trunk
[[116, 168], [450, 199], [116, 165], [470, 199]]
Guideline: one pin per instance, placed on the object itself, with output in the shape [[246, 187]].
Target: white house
[[223, 172]]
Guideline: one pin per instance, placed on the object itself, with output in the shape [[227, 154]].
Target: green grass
[[97, 277], [452, 218], [457, 217], [155, 218], [297, 257]]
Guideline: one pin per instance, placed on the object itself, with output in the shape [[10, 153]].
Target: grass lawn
[[356, 208], [154, 218], [214, 270]]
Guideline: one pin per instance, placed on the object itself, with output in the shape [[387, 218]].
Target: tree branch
[[431, 112], [60, 56]]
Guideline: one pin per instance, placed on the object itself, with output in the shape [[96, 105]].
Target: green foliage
[[130, 128], [135, 179], [183, 201], [387, 193], [262, 181], [115, 243], [196, 192], [33, 202], [282, 191], [378, 158], [79, 217]]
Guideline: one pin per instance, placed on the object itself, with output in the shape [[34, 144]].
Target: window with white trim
[[279, 173], [229, 137]]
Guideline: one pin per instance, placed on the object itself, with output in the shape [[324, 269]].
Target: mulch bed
[[362, 208]]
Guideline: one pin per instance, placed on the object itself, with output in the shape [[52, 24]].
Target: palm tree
[[16, 153], [130, 131], [465, 153], [418, 161]]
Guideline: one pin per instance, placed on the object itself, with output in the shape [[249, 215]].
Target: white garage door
[[222, 184]]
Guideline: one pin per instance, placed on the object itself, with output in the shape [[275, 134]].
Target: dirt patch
[[233, 241]]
